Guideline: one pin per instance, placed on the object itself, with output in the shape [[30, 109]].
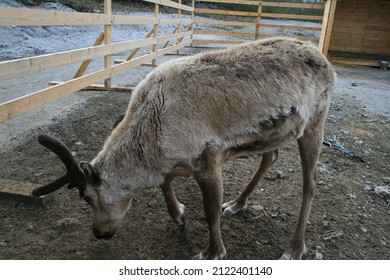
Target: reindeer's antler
[[73, 176]]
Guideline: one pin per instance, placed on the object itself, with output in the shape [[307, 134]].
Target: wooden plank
[[86, 63], [171, 4], [224, 22], [125, 19], [292, 27], [137, 49], [223, 33], [310, 39], [175, 21], [174, 48], [225, 12], [269, 4], [292, 16], [166, 38], [324, 25], [222, 42], [241, 2], [361, 62], [34, 17], [107, 40], [258, 21], [329, 26], [155, 29], [25, 66], [21, 191], [18, 106], [99, 87], [294, 5], [122, 67]]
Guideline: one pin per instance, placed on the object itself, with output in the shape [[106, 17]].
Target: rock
[[67, 223], [30, 228], [325, 223], [345, 132], [363, 229], [319, 256], [351, 196], [279, 174], [274, 215], [367, 188], [383, 191], [386, 180], [257, 207]]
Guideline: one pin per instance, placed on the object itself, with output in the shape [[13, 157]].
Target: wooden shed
[[361, 32]]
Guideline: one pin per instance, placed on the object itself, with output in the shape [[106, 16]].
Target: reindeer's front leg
[[210, 182], [175, 208]]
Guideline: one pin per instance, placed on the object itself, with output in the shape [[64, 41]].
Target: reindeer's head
[[108, 206]]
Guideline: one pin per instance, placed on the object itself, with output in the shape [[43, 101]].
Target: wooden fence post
[[259, 9], [155, 29], [327, 24], [193, 19], [107, 40], [329, 27]]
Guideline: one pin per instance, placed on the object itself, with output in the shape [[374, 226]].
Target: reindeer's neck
[[128, 159]]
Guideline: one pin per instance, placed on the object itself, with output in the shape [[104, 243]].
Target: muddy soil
[[349, 219]]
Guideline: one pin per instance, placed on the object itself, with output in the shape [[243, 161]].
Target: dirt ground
[[349, 219]]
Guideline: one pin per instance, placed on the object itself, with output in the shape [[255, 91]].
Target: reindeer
[[192, 114]]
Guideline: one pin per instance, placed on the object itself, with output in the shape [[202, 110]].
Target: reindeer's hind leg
[[240, 202], [175, 208], [209, 178], [309, 150]]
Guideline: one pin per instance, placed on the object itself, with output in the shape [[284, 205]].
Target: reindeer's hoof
[[179, 217], [232, 207], [206, 256], [297, 255]]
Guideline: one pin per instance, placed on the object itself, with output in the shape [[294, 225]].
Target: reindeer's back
[[228, 94]]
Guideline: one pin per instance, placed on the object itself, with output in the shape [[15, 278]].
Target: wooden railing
[[253, 20], [103, 48]]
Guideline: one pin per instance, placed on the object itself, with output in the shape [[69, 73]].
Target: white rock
[[67, 222], [383, 191], [319, 256], [279, 174], [257, 207]]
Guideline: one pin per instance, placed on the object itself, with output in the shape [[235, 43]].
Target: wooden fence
[[103, 46], [254, 27]]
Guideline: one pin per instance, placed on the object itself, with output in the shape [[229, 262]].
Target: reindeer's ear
[[92, 174]]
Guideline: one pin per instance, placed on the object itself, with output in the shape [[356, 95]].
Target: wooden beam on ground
[[21, 191]]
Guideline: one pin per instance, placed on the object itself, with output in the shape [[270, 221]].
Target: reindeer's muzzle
[[103, 234]]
